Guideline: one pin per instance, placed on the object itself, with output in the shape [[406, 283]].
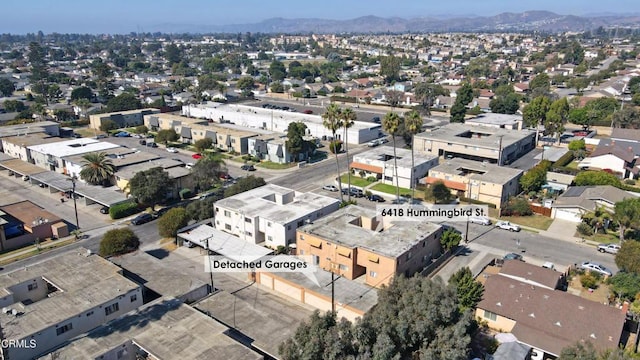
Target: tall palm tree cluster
[[336, 118], [97, 168]]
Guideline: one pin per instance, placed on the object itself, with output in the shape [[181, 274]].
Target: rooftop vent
[[532, 315], [593, 336], [558, 324]]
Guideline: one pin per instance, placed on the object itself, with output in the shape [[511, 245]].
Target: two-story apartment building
[[380, 162], [476, 180], [473, 142], [121, 118], [49, 303], [52, 156], [270, 214], [18, 146], [355, 241]]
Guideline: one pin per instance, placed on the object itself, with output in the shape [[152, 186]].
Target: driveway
[[562, 229]]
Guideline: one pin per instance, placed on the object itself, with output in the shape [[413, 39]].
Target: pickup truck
[[609, 248], [505, 225]]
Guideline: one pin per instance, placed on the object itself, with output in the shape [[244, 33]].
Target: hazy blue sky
[[120, 16]]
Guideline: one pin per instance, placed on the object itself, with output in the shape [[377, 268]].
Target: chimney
[[625, 307]]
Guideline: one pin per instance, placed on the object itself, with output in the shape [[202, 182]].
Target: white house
[[380, 162], [270, 214], [56, 300], [270, 148], [579, 200], [612, 156]]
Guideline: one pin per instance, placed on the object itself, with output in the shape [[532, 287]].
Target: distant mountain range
[[525, 21]]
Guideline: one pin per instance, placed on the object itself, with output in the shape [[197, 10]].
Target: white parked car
[[591, 266], [331, 188], [482, 220], [505, 225], [172, 150], [609, 248]]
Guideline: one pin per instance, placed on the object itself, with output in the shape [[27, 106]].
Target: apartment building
[[121, 118], [51, 156], [270, 214], [380, 162], [49, 303], [481, 143], [475, 180], [355, 241]]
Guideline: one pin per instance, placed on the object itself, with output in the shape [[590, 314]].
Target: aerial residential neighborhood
[[250, 191]]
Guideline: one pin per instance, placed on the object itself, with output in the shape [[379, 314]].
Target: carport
[[57, 182], [21, 168], [222, 243]]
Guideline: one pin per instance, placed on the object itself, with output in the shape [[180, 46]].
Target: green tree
[[172, 221], [118, 241], [450, 239], [627, 118], [244, 184], [84, 105], [277, 71], [427, 93], [39, 72], [296, 144], [203, 144], [577, 145], [469, 290], [246, 84], [108, 125], [97, 168], [438, 192], [413, 125], [6, 87], [592, 177], [579, 351], [507, 104], [81, 92], [627, 214], [123, 102], [348, 118], [478, 67], [151, 186], [535, 113], [540, 85], [207, 171], [458, 110], [141, 129], [391, 123], [626, 285], [331, 120], [14, 105], [166, 135], [579, 83], [172, 54], [556, 118], [203, 209], [390, 68], [533, 179]]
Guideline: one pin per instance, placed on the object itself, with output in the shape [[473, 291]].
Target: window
[[90, 313], [300, 223], [489, 315], [288, 227], [227, 213], [373, 274], [344, 267], [316, 259], [409, 255], [134, 297], [301, 252], [32, 286], [64, 328], [301, 237], [268, 224], [270, 238], [248, 233], [248, 220], [227, 227], [111, 309]]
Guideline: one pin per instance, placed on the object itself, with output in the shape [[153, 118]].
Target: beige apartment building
[[355, 241], [476, 180], [121, 118]]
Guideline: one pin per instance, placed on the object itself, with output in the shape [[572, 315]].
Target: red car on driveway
[[196, 156]]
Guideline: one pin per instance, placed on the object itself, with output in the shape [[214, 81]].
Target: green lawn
[[355, 181], [275, 166], [573, 165], [609, 238], [390, 189], [534, 221]]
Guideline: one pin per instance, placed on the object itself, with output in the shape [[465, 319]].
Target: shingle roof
[[551, 320], [531, 273], [625, 154], [587, 197]]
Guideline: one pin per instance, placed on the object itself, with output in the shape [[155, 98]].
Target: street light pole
[[73, 180]]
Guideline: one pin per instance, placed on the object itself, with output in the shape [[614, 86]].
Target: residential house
[[356, 241], [475, 180], [272, 149], [380, 163], [25, 223], [611, 156], [60, 298], [579, 200], [271, 214], [559, 181], [184, 97], [181, 176], [548, 320]]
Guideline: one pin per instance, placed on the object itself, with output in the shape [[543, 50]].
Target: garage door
[[568, 214]]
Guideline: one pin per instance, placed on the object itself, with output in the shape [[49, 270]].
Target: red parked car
[[196, 156]]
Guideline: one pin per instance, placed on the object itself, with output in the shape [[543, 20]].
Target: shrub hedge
[[125, 209]]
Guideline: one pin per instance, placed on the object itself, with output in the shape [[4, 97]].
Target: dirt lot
[[601, 294]]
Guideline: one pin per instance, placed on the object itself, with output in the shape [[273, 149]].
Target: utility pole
[[210, 267], [73, 180]]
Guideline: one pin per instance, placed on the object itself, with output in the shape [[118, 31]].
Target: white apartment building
[[270, 214], [379, 162], [47, 304], [278, 120], [51, 156]]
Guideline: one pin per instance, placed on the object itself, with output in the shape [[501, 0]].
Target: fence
[[540, 210]]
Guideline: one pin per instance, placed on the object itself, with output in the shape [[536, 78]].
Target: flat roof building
[[61, 298], [51, 156], [270, 214], [476, 180], [355, 241], [480, 143], [122, 119], [380, 162], [502, 121]]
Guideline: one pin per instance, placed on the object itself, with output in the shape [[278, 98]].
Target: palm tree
[[97, 168], [331, 120], [413, 125], [391, 124], [348, 116]]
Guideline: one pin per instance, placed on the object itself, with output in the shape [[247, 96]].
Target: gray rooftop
[[489, 136], [479, 170], [403, 156], [495, 119], [223, 243], [587, 197], [104, 195], [260, 202], [128, 172], [22, 129], [119, 157], [396, 239], [33, 139], [165, 329], [71, 147], [85, 281]]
